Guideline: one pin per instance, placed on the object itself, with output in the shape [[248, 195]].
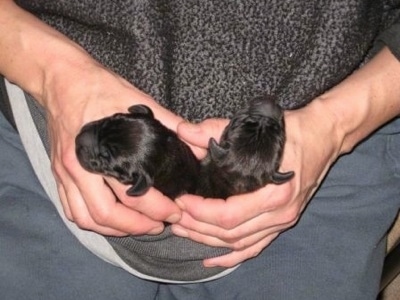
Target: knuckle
[[291, 215], [56, 169], [68, 160], [227, 221], [138, 203], [82, 223], [240, 245], [285, 195], [255, 252], [101, 216], [229, 236]]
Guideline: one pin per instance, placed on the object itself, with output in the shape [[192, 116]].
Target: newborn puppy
[[138, 150], [249, 153]]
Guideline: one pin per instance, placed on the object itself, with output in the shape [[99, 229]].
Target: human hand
[[91, 201], [75, 89], [250, 222]]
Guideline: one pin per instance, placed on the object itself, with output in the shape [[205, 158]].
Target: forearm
[[363, 102], [31, 52]]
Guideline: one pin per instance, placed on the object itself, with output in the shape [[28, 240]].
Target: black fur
[[138, 150]]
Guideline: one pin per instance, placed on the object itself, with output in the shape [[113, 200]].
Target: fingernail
[[156, 230], [173, 218], [180, 203], [177, 230], [209, 264]]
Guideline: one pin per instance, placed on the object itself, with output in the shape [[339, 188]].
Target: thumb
[[199, 134]]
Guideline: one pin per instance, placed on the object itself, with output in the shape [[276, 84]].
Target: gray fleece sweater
[[206, 58]]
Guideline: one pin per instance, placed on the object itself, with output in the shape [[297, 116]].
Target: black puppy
[[137, 149], [249, 153]]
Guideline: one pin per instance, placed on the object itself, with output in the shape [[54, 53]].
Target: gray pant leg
[[39, 257], [337, 249]]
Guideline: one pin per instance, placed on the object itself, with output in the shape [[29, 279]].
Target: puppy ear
[[141, 185], [216, 151], [141, 109], [279, 178]]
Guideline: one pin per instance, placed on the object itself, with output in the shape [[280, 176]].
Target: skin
[[346, 114], [75, 89]]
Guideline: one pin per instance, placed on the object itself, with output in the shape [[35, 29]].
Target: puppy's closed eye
[[104, 152]]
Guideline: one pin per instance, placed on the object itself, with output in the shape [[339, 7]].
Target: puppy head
[[116, 146], [252, 144]]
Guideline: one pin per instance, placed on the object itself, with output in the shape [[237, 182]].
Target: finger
[[64, 201], [107, 211], [61, 177], [103, 207], [240, 238], [81, 216], [74, 206], [226, 214], [236, 210], [166, 117], [153, 204], [236, 257], [103, 210], [199, 134]]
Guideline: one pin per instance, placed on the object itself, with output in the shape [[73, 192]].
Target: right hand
[[91, 201]]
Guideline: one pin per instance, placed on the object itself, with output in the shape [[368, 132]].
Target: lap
[[39, 257], [334, 252]]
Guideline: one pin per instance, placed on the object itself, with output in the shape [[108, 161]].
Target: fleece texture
[[205, 58]]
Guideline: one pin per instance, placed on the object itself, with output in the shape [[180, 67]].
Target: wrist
[[58, 66], [31, 51], [365, 100], [321, 123], [347, 110], [65, 77]]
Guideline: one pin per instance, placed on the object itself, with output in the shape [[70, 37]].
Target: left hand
[[250, 222]]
